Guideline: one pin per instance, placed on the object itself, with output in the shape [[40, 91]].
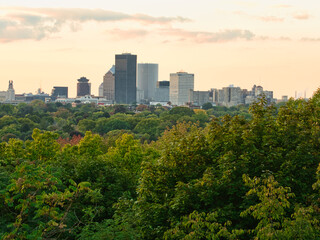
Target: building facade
[[163, 91], [109, 84], [147, 81], [61, 92], [256, 92], [180, 85], [231, 96], [198, 98], [100, 90], [125, 78], [83, 87], [3, 96]]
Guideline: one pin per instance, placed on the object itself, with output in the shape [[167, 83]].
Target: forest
[[148, 172]]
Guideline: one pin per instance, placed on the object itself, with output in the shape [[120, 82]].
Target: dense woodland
[[142, 172]]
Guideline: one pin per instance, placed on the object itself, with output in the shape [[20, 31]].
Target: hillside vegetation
[[152, 173]]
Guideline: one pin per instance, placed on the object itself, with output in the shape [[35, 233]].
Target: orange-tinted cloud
[[261, 18], [301, 16], [208, 37], [306, 39], [282, 6], [271, 19], [127, 33]]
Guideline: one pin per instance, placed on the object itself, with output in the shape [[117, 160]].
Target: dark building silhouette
[[126, 78], [83, 87], [59, 92]]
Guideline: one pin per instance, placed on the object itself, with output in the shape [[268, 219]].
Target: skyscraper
[[147, 81], [125, 78], [108, 84], [180, 85], [83, 87]]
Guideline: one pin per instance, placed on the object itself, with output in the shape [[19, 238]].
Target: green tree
[[39, 204], [207, 106], [271, 210]]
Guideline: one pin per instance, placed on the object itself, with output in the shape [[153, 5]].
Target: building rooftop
[[112, 69], [83, 79]]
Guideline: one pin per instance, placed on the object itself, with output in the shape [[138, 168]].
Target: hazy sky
[[273, 43]]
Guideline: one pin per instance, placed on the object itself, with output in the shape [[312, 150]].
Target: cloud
[[38, 23], [100, 15], [267, 38], [310, 39], [11, 30], [271, 19], [261, 18], [209, 37], [301, 16], [282, 6], [127, 34], [284, 38]]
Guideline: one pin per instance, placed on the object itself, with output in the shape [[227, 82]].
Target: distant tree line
[[145, 122]]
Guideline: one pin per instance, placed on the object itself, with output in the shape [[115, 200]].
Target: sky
[[272, 43]]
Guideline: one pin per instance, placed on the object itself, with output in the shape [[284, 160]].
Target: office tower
[[100, 90], [109, 84], [125, 78], [147, 81], [83, 87], [162, 91], [180, 85], [231, 96], [61, 92], [10, 93], [198, 98]]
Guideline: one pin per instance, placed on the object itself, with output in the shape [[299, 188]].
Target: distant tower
[[180, 85], [147, 80], [83, 87], [126, 78], [10, 93], [109, 84]]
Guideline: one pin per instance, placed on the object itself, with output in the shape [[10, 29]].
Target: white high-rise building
[[180, 85], [100, 90], [147, 81]]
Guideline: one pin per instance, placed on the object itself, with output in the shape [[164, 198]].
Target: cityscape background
[[272, 43], [129, 82]]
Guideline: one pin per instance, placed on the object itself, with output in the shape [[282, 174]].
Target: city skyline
[[271, 43]]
